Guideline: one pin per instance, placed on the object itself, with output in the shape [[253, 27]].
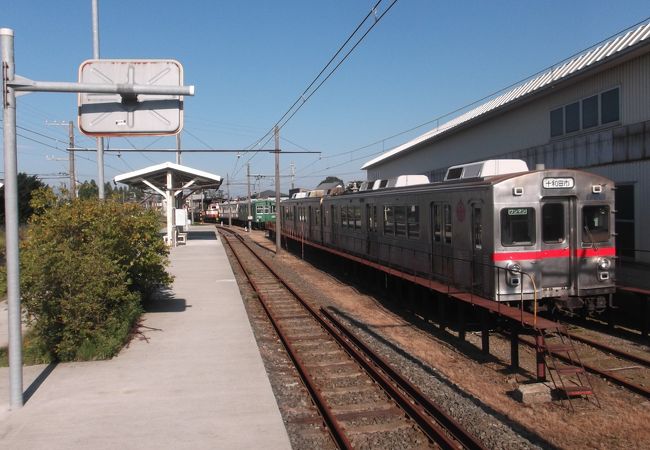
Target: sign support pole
[[10, 85], [100, 140], [11, 220]]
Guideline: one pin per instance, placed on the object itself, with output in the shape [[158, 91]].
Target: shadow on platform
[[165, 301], [40, 379], [201, 236]]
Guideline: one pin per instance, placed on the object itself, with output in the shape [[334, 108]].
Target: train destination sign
[[558, 183]]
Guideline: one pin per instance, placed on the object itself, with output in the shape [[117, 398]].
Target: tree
[[331, 179], [86, 266], [88, 190], [26, 184]]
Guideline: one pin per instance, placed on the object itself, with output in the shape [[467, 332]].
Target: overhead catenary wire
[[308, 92]]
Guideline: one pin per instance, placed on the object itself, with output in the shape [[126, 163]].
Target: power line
[[308, 92]]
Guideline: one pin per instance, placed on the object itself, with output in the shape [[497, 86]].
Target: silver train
[[493, 228]]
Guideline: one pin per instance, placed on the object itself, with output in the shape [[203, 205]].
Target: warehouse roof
[[626, 42]]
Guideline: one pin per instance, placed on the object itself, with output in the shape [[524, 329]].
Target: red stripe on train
[[556, 253]]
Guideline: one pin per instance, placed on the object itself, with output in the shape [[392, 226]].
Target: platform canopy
[[171, 181]]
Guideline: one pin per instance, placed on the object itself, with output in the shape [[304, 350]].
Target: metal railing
[[389, 255]]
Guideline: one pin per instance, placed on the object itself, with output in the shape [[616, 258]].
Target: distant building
[[590, 112]]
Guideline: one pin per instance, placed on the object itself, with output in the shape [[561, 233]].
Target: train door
[[310, 224], [477, 247], [558, 239], [441, 241], [334, 223], [371, 230]]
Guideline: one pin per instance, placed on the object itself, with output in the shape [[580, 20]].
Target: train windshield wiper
[[591, 237]]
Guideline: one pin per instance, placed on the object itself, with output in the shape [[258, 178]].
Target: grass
[[33, 353]]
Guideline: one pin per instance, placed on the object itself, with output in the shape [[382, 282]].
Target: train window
[[477, 228], [389, 220], [447, 222], [374, 217], [553, 223], [344, 216], [317, 216], [371, 212], [437, 223], [400, 220], [357, 217], [517, 226], [595, 223], [413, 221]]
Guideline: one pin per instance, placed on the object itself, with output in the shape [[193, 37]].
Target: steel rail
[[641, 390], [456, 430], [435, 423], [336, 431], [607, 348]]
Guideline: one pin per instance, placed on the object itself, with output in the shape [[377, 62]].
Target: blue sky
[[250, 60]]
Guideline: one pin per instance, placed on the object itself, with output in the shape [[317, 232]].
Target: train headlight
[[513, 276], [514, 268], [604, 264]]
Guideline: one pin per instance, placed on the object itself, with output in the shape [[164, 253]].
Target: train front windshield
[[517, 226], [595, 224]]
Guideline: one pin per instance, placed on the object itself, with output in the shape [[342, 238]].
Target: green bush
[[86, 266]]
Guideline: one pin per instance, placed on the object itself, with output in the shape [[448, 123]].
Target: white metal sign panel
[[558, 183], [117, 115]]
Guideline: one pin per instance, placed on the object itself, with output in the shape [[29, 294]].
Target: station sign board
[[139, 115]]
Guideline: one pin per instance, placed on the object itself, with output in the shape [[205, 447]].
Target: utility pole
[[100, 141], [178, 149], [71, 168], [250, 202], [278, 223], [229, 203], [73, 177], [293, 174]]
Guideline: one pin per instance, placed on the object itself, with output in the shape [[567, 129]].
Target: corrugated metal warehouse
[[590, 112]]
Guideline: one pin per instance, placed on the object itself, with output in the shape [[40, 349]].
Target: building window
[[609, 106], [590, 112], [557, 122], [584, 114], [572, 117]]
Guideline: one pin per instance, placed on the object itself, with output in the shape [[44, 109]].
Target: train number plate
[[558, 183]]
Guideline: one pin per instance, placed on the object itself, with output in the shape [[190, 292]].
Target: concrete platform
[[196, 382]]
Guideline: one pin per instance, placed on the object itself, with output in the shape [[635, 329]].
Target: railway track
[[619, 367], [363, 402]]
